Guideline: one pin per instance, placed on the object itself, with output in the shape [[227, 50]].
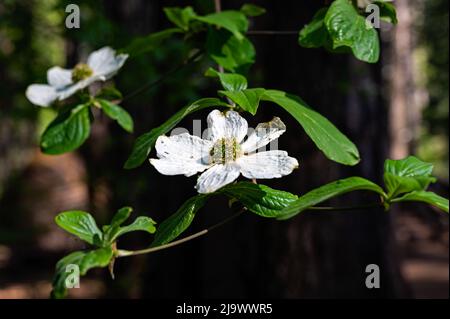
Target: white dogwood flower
[[224, 154], [101, 65]]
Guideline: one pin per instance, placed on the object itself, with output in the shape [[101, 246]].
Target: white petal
[[41, 94], [59, 77], [105, 62], [177, 166], [271, 164], [70, 90], [183, 146], [217, 177], [229, 125], [264, 134], [181, 154]]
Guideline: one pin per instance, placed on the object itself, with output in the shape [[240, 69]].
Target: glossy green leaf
[[232, 54], [259, 199], [121, 216], [387, 11], [335, 145], [150, 42], [118, 114], [251, 10], [177, 223], [80, 224], [248, 99], [234, 21], [410, 166], [315, 33], [328, 191], [180, 16], [229, 81], [145, 142], [142, 223], [424, 196], [84, 260], [348, 28], [406, 175], [67, 131]]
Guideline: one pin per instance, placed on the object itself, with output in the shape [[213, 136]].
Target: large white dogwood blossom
[[223, 153], [101, 65]]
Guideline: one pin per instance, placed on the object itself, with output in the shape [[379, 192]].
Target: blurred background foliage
[[432, 63], [34, 187]]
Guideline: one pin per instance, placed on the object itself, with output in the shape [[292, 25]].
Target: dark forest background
[[396, 107]]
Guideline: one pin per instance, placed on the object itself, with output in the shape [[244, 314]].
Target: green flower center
[[81, 71], [224, 151]]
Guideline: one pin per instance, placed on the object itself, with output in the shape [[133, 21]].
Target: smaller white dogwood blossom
[[101, 65], [223, 153]]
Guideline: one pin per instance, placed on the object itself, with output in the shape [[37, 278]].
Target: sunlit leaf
[[81, 261], [335, 145], [118, 114], [80, 224], [259, 199], [67, 131], [426, 197]]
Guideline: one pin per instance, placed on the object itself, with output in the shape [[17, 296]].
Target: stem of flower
[[218, 8], [343, 208], [126, 253], [163, 77]]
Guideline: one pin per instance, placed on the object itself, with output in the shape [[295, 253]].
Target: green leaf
[[113, 231], [180, 16], [427, 197], [109, 93], [145, 142], [335, 145], [315, 33], [80, 224], [118, 114], [177, 223], [410, 166], [150, 42], [67, 131], [260, 199], [229, 81], [226, 50], [142, 223], [85, 260], [348, 28], [328, 191], [251, 10], [121, 216], [247, 99], [234, 21], [387, 12], [406, 175]]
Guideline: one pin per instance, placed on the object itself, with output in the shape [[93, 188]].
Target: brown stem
[[125, 253]]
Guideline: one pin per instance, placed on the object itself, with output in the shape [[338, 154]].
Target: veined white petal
[[105, 62], [41, 94], [229, 125], [270, 164], [183, 146], [177, 166], [59, 77], [263, 135], [216, 177]]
